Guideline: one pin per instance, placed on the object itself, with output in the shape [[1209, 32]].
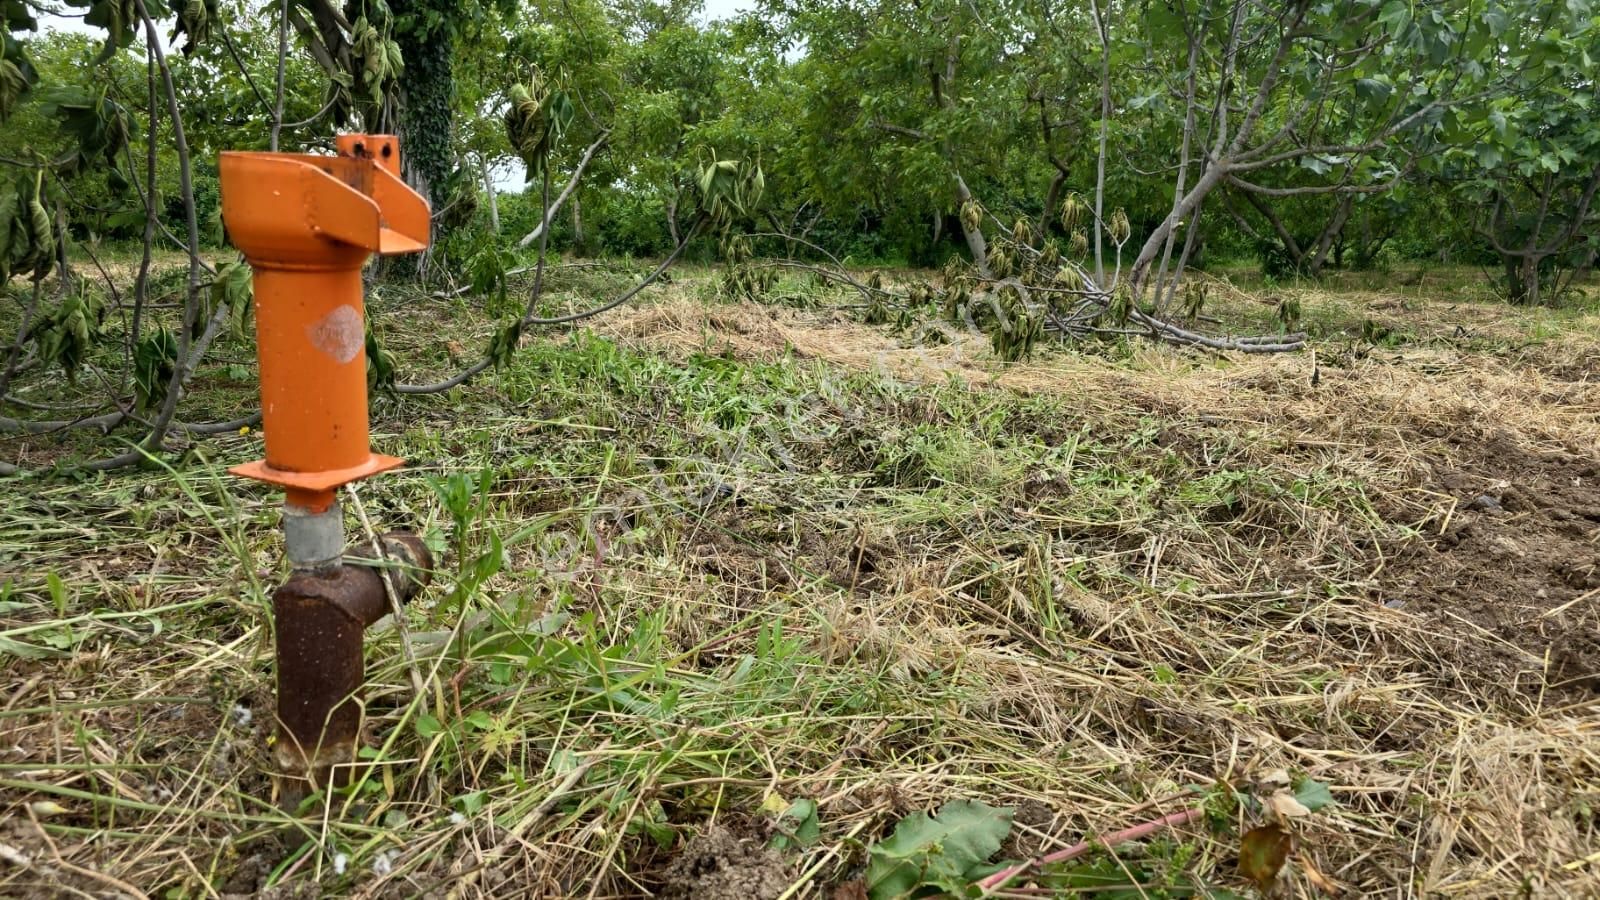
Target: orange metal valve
[[307, 225]]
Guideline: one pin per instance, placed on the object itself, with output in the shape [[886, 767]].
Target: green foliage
[[1275, 260], [486, 266], [118, 18], [1314, 795], [155, 358], [465, 498], [1194, 298], [66, 334], [1018, 326], [797, 826], [742, 278], [538, 115], [1120, 309], [1288, 313], [878, 312], [381, 363], [234, 288], [377, 58], [729, 189], [504, 343], [425, 34], [27, 234], [929, 856], [193, 21], [17, 74], [747, 282]]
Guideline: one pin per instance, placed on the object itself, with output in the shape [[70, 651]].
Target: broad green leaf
[[1372, 90], [58, 592], [1313, 794], [1396, 16], [798, 825], [23, 650], [925, 850], [470, 803]]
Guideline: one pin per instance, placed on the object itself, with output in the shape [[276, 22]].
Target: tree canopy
[[1066, 160]]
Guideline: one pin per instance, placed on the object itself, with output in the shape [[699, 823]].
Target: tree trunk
[[975, 242], [427, 94], [1521, 290], [1140, 272], [577, 227], [1291, 247], [1051, 198], [1330, 232], [494, 203]]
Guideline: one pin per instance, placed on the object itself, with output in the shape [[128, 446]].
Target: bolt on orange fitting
[[307, 225]]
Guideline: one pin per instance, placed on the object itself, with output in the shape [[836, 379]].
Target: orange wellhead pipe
[[307, 225], [311, 341]]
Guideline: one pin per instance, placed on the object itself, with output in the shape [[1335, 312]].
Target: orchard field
[[727, 576], [863, 449]]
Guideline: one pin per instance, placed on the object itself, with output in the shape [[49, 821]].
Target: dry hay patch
[[1426, 431]]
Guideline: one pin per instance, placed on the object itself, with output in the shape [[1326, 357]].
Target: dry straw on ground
[[1038, 632]]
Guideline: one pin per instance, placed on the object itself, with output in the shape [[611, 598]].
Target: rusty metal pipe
[[320, 616]]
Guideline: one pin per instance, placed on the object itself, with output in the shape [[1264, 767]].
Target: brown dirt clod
[[718, 864]]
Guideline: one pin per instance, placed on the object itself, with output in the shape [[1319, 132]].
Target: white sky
[[727, 9]]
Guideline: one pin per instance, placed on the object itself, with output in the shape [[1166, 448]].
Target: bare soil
[[1512, 582], [719, 864]]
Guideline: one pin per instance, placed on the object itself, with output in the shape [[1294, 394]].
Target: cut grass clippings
[[718, 562]]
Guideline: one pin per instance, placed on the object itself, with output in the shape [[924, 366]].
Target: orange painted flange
[[307, 225]]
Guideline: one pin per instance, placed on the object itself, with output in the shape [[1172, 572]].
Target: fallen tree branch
[[478, 367], [1280, 343], [103, 423], [566, 192]]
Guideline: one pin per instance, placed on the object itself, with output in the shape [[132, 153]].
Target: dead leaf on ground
[[1262, 854], [1287, 805], [850, 890]]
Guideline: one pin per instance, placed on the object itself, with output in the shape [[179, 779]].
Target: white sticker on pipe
[[339, 334]]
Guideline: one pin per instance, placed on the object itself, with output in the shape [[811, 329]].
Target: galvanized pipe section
[[313, 541]]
